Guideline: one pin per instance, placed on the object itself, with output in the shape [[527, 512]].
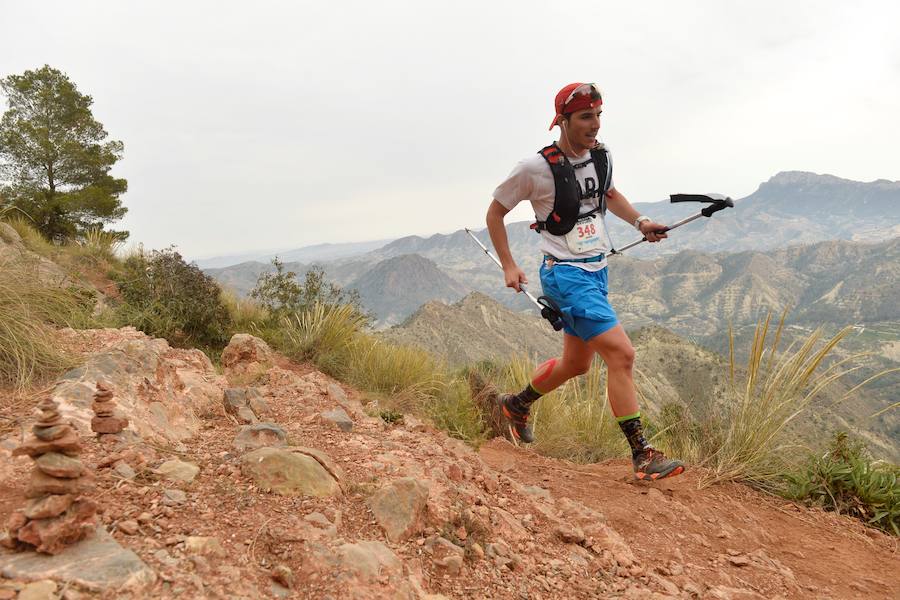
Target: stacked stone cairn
[[105, 420], [57, 513]]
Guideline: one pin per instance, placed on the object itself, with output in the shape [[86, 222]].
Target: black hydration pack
[[567, 201]]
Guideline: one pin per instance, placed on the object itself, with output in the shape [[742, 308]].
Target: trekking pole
[[716, 203], [549, 309]]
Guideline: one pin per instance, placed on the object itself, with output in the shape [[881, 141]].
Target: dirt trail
[[726, 535]]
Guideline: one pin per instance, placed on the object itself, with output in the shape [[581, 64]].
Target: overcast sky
[[274, 125]]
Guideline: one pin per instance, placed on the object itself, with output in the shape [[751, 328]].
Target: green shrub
[[281, 294], [846, 479], [166, 297]]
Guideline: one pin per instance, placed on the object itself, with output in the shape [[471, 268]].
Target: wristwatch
[[639, 220]]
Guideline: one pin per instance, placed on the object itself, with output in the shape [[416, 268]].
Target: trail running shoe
[[516, 420], [651, 464]]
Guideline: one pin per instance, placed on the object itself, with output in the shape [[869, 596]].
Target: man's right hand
[[515, 277]]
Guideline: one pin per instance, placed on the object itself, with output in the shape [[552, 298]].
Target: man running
[[569, 185]]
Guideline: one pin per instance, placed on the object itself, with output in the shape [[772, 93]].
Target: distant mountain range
[[698, 294], [474, 329], [790, 209], [318, 252], [396, 287]]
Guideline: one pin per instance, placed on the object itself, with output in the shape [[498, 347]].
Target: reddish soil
[[672, 521]]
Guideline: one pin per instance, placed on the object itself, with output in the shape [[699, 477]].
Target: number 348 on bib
[[585, 236]]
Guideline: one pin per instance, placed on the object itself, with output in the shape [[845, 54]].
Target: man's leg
[[615, 348], [548, 376]]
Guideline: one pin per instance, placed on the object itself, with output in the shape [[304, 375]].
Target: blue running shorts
[[582, 297]]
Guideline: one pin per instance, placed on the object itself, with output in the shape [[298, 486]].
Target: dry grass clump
[[745, 437], [29, 309], [401, 379], [323, 334], [247, 316], [456, 412], [31, 237]]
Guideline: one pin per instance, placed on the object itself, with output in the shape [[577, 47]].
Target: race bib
[[585, 236]]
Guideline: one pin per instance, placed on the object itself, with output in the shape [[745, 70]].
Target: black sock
[[524, 399], [634, 432]]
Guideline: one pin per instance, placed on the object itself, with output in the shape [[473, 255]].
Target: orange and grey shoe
[[516, 420], [651, 464]]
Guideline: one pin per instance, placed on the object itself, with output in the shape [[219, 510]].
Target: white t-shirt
[[532, 180]]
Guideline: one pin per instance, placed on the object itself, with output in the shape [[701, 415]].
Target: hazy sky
[[271, 125]]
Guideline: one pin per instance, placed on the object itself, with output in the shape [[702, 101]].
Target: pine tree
[[54, 157]]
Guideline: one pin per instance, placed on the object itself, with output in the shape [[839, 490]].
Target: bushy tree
[[54, 157], [165, 296], [281, 292]]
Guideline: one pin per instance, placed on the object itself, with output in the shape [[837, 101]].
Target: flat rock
[[97, 563], [128, 526], [246, 415], [260, 435], [67, 444], [206, 546], [173, 497], [48, 433], [178, 470], [399, 507], [48, 506], [368, 560], [124, 470], [42, 484], [260, 407], [108, 424], [59, 465], [288, 473], [340, 418], [235, 399], [39, 590], [336, 393]]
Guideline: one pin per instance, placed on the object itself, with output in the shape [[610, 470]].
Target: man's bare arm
[[497, 230], [622, 208]]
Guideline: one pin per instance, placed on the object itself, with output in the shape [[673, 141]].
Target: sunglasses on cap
[[585, 89]]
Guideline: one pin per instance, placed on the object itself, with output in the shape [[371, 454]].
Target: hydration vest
[[567, 199]]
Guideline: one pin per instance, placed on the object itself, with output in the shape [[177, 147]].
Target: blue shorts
[[582, 297]]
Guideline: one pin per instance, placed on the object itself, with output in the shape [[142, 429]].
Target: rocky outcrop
[[246, 358], [163, 390]]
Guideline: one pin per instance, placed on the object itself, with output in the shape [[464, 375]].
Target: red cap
[[575, 103]]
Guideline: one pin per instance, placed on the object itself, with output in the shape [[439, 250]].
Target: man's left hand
[[653, 231]]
